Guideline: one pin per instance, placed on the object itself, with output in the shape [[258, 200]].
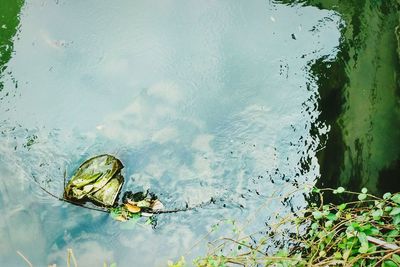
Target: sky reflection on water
[[199, 101]]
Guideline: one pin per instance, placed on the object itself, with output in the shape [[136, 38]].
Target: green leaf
[[331, 217], [389, 263], [395, 211], [365, 227], [364, 190], [378, 204], [113, 264], [346, 254], [373, 231], [393, 233], [180, 263], [282, 253], [377, 214], [350, 231], [387, 195], [340, 190], [372, 248], [396, 258], [328, 224], [317, 215], [396, 198], [362, 197], [363, 249], [337, 255], [342, 206], [396, 219], [388, 209], [115, 212], [316, 190], [362, 237], [321, 235], [311, 232]]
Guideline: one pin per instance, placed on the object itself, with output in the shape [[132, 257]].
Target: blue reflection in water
[[200, 100]]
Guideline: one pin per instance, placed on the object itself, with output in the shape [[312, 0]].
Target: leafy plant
[[364, 232]]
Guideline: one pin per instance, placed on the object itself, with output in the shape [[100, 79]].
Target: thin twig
[[70, 255], [201, 205], [25, 259], [236, 262], [65, 175], [67, 200], [397, 251], [242, 244]]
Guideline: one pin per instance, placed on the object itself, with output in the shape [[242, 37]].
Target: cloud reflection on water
[[199, 101]]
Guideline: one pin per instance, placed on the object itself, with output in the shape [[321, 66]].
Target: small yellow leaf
[[132, 208]]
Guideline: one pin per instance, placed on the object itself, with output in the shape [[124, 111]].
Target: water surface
[[200, 101]]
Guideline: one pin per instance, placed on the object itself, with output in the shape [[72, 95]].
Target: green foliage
[[338, 191], [180, 263], [211, 261], [365, 232], [9, 23]]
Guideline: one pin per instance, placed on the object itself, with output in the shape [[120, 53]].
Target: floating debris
[[142, 204], [132, 208], [157, 205], [98, 179]]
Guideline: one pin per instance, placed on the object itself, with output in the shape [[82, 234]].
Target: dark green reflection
[[9, 22], [360, 97]]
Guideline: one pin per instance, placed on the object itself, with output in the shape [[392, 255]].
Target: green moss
[[9, 23]]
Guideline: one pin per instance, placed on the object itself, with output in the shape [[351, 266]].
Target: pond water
[[200, 100]]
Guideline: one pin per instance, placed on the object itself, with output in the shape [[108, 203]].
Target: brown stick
[[382, 243]]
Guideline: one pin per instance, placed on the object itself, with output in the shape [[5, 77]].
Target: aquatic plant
[[363, 231]]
